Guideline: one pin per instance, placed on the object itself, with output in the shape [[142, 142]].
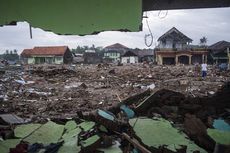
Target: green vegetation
[[82, 49], [11, 55]]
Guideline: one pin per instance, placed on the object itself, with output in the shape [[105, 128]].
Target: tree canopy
[[10, 55], [82, 49]]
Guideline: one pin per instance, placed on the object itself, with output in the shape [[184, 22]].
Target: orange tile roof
[[26, 52], [45, 50]]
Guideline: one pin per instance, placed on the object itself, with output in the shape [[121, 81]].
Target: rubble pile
[[108, 108], [53, 72]]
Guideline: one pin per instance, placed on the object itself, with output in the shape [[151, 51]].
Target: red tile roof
[[50, 50], [117, 45], [26, 52]]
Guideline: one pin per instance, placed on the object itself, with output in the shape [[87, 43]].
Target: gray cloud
[[212, 23]]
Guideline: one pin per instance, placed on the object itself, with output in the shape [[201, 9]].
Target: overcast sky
[[211, 23]]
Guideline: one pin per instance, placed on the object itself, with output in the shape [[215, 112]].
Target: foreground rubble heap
[[122, 127], [114, 109]]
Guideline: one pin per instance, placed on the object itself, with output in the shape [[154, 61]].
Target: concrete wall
[[159, 59], [31, 60], [113, 55], [130, 59], [49, 60], [58, 60], [68, 57]]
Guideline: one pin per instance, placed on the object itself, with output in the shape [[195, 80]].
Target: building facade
[[114, 52], [219, 52], [174, 48], [48, 55], [129, 57], [91, 57]]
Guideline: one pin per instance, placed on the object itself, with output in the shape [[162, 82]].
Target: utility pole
[[228, 53]]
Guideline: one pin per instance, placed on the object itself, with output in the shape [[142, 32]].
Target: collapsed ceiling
[[149, 5], [82, 17]]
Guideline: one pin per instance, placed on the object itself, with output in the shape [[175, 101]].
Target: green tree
[[11, 55], [7, 52], [82, 49], [203, 41], [15, 51]]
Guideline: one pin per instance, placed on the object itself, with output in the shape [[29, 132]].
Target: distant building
[[219, 52], [146, 55], [90, 51], [47, 54], [174, 48], [78, 58], [138, 55], [129, 57], [114, 52], [92, 58]]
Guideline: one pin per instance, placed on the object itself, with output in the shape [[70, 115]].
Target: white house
[[129, 57]]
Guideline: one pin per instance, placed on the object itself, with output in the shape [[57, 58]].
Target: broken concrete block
[[47, 133], [160, 133], [90, 144], [7, 144], [11, 119], [220, 137]]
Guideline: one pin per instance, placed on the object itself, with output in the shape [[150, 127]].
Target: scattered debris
[[11, 119], [109, 108]]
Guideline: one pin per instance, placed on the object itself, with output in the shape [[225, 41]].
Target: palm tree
[[7, 52], [15, 51], [203, 41]]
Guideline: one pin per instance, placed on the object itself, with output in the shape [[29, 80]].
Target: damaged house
[[78, 58], [138, 55], [219, 52], [146, 55], [129, 57], [174, 48], [91, 57], [114, 52], [48, 55]]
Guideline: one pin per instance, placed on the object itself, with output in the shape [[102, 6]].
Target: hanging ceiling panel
[[79, 17]]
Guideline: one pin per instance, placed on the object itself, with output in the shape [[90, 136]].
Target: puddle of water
[[220, 124]]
